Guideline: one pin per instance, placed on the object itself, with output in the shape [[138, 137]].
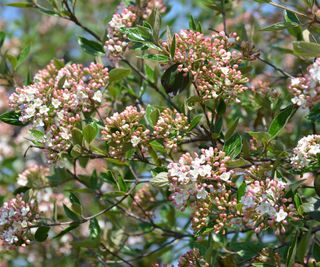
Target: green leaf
[[233, 145], [70, 214], [13, 61], [74, 199], [42, 233], [108, 177], [160, 180], [94, 228], [121, 183], [280, 121], [90, 132], [37, 134], [155, 21], [237, 163], [294, 31], [2, 38], [118, 74], [77, 136], [23, 55], [156, 57], [173, 47], [303, 246], [306, 49], [91, 47], [157, 146], [195, 121], [11, 117], [174, 81], [262, 137], [152, 115], [67, 230], [231, 129], [21, 5], [280, 26], [76, 151], [291, 254], [241, 191], [192, 101]]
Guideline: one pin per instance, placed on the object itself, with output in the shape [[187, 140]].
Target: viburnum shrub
[[156, 143]]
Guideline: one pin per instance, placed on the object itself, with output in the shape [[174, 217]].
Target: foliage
[[147, 133]]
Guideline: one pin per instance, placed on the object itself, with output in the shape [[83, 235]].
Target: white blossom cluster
[[306, 152]]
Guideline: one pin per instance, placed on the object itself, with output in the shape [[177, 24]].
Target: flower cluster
[[171, 127], [265, 205], [15, 217], [150, 5], [212, 62], [192, 176], [192, 258], [219, 209], [306, 89], [117, 42], [33, 176], [306, 152], [56, 99], [127, 17], [124, 131]]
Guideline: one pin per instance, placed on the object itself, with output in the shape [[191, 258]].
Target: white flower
[[22, 180], [202, 194], [66, 96], [30, 111], [299, 100], [43, 109], [97, 96], [65, 134], [38, 102], [205, 170], [225, 176], [315, 72], [180, 198], [60, 114], [225, 70], [248, 201], [314, 150], [266, 208], [56, 103], [281, 215], [295, 81], [24, 211], [39, 123], [135, 140]]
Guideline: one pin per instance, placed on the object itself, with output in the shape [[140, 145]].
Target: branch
[[284, 73], [289, 9], [72, 17]]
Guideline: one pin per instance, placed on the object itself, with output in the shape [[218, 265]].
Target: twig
[[224, 19], [72, 17], [288, 9], [116, 255], [284, 73]]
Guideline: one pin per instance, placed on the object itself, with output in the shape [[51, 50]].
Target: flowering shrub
[[147, 142]]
